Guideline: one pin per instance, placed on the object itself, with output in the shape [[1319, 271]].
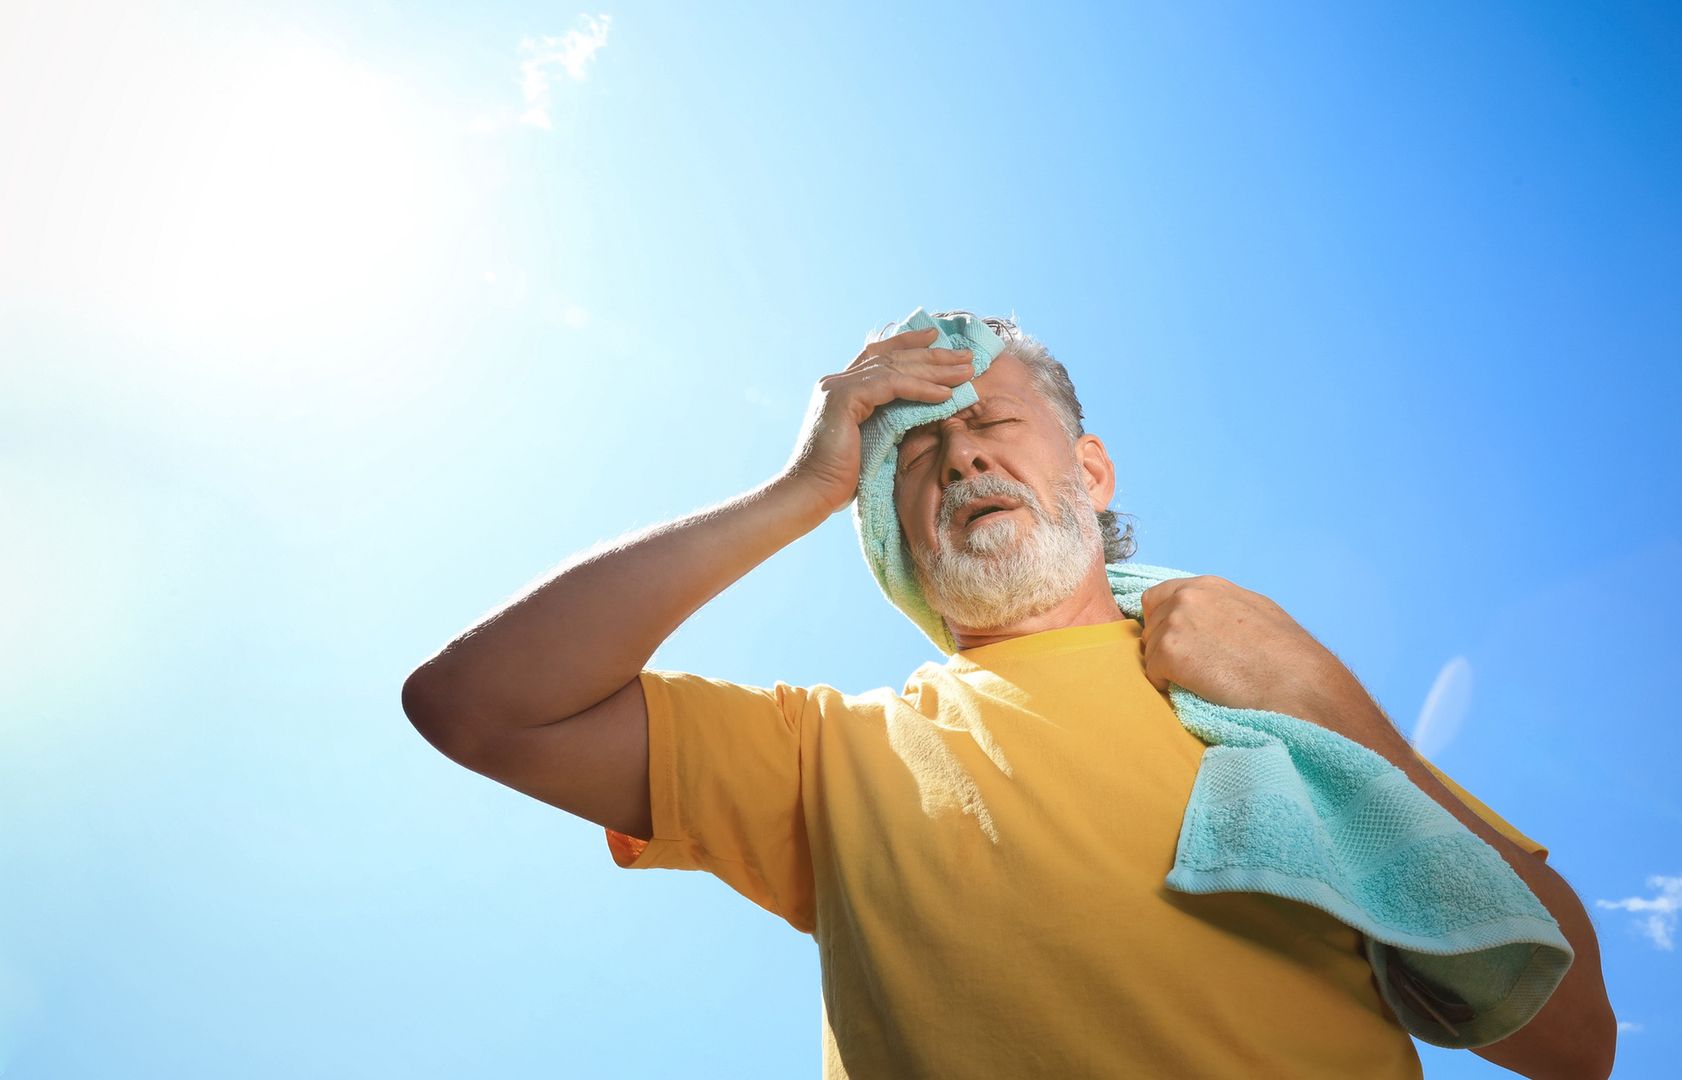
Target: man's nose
[[962, 457]]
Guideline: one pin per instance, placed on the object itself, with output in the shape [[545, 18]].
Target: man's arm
[[1235, 647], [543, 694], [1575, 1034], [589, 629]]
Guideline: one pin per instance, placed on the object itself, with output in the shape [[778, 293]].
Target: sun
[[302, 194]]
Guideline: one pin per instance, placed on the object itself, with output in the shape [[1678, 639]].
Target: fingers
[[907, 339], [910, 341], [924, 362], [879, 384], [916, 374], [901, 366], [1153, 669], [906, 357], [922, 359], [903, 340], [1153, 661], [910, 391], [1152, 597]]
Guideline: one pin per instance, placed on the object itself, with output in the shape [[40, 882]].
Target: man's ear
[[1097, 471]]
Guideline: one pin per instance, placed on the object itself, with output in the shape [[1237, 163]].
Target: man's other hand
[[1234, 647]]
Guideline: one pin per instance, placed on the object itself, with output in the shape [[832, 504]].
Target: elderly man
[[980, 857]]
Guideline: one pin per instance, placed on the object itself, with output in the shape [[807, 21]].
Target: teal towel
[[874, 514], [1464, 952]]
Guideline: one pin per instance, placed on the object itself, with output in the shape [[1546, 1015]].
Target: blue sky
[[324, 330]]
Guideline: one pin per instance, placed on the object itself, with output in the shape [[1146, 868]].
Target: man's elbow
[[1605, 1049], [1595, 1062], [1593, 1056], [1596, 1046], [437, 716], [1561, 1050]]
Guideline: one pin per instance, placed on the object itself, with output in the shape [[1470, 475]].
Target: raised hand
[[825, 461]]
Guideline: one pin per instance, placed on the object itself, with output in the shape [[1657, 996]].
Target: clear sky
[[324, 329]]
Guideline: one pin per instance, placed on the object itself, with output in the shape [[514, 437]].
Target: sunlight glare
[[301, 196]]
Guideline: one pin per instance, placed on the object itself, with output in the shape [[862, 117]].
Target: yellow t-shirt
[[981, 862]]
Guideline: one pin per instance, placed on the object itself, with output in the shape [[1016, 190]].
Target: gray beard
[[999, 575]]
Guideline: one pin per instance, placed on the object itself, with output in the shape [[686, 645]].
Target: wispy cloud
[[1445, 707], [546, 58], [1659, 912], [1627, 1027]]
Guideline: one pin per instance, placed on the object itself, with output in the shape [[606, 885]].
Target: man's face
[[992, 505]]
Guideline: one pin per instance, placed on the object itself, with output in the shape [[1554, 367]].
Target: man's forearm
[[1575, 1033], [590, 627]]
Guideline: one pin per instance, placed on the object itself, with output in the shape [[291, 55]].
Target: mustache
[[986, 486]]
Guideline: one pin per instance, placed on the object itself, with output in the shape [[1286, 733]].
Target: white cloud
[[1445, 707], [1626, 1027], [545, 56], [1659, 921]]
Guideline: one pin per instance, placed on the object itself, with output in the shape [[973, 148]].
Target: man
[[981, 856]]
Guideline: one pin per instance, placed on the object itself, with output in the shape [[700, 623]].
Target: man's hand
[[825, 461], [1237, 648]]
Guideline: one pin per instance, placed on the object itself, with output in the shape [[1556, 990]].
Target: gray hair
[[1053, 381]]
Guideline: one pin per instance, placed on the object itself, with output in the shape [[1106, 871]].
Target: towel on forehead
[[1462, 951], [874, 514]]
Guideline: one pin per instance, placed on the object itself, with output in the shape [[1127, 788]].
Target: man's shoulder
[[926, 674]]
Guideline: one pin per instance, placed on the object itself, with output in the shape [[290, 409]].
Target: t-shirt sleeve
[[1496, 821], [725, 790]]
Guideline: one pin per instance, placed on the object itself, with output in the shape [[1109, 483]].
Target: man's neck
[[1092, 603]]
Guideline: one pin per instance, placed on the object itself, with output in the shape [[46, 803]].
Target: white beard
[[1000, 576]]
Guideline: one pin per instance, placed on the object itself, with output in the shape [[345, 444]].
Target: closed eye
[[908, 463]]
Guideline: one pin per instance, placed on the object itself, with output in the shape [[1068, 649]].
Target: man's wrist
[[1337, 701], [801, 500]]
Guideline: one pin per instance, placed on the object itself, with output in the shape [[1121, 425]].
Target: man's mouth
[[975, 511]]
